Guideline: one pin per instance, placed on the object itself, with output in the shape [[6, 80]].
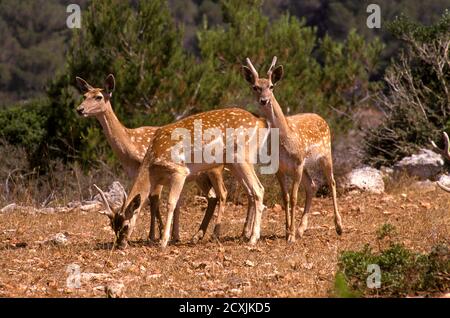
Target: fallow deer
[[160, 168], [130, 146], [305, 140], [446, 154]]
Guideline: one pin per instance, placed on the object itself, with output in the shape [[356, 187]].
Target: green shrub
[[322, 76], [417, 101], [158, 82], [403, 272], [386, 230], [25, 125]]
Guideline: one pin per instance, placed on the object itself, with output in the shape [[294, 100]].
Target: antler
[[252, 68], [446, 151], [274, 61], [124, 199], [108, 212], [443, 187]]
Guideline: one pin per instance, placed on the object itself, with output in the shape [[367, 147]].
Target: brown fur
[[130, 146], [304, 139], [159, 169]]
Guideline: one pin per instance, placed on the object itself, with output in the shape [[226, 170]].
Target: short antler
[[108, 212], [252, 68], [446, 151], [443, 187], [274, 61], [124, 198]]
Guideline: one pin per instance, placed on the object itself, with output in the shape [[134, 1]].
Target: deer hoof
[[301, 231], [291, 238], [253, 240], [197, 237], [122, 245], [217, 230]]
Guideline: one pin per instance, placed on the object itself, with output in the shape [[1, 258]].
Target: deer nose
[[263, 101], [80, 110]]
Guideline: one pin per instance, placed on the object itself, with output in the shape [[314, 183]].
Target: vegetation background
[[384, 92], [175, 58]]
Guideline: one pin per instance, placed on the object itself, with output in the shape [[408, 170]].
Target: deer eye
[[256, 88], [98, 97], [271, 87]]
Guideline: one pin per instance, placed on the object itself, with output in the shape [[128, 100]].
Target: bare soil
[[211, 268]]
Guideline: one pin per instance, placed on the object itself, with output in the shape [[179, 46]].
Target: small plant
[[386, 230], [341, 288], [403, 272]]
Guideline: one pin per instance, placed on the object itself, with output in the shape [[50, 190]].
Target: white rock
[[387, 171], [249, 263], [114, 195], [58, 239], [9, 208], [365, 179], [115, 290], [444, 180], [87, 277], [425, 165], [90, 207]]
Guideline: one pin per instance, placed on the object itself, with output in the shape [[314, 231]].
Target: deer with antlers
[[164, 167], [305, 141], [130, 146], [444, 153]]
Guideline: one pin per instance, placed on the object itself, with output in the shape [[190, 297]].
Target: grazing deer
[[130, 146], [445, 153], [160, 167], [304, 141]]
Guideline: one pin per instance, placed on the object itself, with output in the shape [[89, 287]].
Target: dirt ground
[[211, 268]]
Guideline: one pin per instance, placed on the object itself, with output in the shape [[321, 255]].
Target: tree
[[322, 76], [31, 47], [141, 46], [417, 102]]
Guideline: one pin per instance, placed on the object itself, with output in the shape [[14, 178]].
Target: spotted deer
[[445, 153], [305, 140], [161, 168], [130, 146]]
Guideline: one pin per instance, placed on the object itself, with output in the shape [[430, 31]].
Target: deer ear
[[110, 84], [248, 74], [277, 74], [133, 206], [83, 86]]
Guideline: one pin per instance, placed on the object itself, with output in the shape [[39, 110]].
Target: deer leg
[[250, 218], [176, 186], [221, 191], [310, 189], [246, 174], [155, 213], [282, 180], [327, 167], [204, 183], [176, 222], [294, 193]]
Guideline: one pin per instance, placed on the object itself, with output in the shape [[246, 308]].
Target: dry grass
[[227, 268]]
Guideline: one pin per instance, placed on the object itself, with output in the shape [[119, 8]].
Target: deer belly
[[196, 168]]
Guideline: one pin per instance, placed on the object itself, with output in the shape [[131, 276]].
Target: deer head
[[121, 219], [96, 100], [263, 87], [445, 153]]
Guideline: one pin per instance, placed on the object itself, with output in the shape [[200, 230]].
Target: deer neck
[[116, 134], [277, 119]]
